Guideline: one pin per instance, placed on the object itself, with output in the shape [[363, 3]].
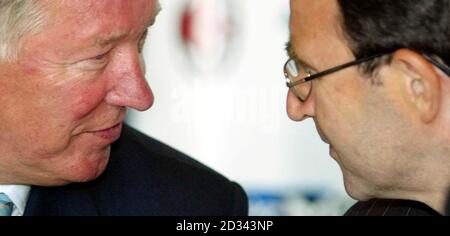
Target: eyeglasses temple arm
[[439, 65]]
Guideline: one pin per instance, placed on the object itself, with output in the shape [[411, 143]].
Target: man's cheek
[[83, 101]]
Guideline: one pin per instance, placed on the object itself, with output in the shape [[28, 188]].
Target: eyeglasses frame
[[290, 84]]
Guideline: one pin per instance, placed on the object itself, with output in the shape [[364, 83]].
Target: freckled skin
[[56, 94]]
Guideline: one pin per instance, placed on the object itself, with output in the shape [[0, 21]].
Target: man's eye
[[310, 71], [94, 63], [100, 57]]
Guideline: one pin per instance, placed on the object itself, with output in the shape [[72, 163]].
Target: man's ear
[[422, 84]]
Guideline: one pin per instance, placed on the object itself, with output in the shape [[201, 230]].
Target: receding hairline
[[338, 29], [20, 18], [114, 38]]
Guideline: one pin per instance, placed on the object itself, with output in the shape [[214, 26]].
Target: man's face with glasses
[[367, 124]]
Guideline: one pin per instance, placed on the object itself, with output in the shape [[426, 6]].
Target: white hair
[[17, 18]]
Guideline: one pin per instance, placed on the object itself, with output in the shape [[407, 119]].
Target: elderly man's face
[[64, 100]]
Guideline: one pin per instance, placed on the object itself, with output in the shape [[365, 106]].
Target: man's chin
[[356, 190], [321, 133], [91, 171], [82, 171]]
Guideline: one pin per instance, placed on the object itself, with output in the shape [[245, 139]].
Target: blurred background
[[215, 67]]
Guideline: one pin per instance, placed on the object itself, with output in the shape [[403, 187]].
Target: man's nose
[[129, 87], [298, 110]]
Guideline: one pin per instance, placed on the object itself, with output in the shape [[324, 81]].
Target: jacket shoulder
[[166, 181], [390, 207]]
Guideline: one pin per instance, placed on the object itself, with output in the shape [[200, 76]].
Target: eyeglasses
[[298, 75]]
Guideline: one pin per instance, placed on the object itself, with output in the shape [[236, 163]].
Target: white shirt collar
[[18, 195]]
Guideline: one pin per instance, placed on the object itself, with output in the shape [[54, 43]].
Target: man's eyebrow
[[155, 13], [102, 42], [291, 54]]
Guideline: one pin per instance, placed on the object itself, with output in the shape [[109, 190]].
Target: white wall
[[233, 118]]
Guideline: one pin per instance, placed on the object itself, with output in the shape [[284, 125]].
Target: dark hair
[[374, 26]]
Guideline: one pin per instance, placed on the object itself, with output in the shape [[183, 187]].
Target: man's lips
[[109, 134], [333, 152], [322, 136], [113, 122], [105, 129]]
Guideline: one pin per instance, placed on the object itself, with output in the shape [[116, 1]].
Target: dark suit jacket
[[390, 207], [447, 210], [144, 177]]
